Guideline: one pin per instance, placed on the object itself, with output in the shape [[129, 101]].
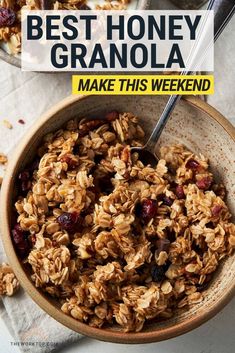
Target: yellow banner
[[143, 84]]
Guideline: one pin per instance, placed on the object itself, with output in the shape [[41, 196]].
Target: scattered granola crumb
[[3, 159], [21, 121], [7, 124], [9, 284]]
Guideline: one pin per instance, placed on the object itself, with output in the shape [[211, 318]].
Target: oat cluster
[[114, 240], [9, 284], [10, 15], [3, 159]]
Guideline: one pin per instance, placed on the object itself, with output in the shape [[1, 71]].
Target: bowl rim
[[16, 61], [101, 334]]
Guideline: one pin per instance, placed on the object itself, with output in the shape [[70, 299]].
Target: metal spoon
[[223, 11]]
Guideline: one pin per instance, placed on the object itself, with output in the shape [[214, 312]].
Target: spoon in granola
[[223, 11]]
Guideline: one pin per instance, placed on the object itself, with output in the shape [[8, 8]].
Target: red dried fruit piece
[[163, 245], [179, 191], [26, 185], [20, 240], [216, 210], [204, 183], [72, 163], [147, 210], [21, 121], [69, 221], [7, 17], [193, 164], [111, 116], [24, 175], [167, 200]]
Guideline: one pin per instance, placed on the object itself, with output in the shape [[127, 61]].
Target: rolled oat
[[9, 284]]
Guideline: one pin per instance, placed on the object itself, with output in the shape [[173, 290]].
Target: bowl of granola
[[113, 248], [10, 18]]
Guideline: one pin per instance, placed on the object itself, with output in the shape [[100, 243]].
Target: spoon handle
[[223, 11]]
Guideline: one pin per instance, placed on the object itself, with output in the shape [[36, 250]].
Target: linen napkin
[[31, 328]]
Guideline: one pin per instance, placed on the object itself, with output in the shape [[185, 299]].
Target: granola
[[9, 284], [10, 15], [3, 159], [114, 240], [7, 124]]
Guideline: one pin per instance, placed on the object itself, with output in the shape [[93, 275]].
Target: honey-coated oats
[[114, 240]]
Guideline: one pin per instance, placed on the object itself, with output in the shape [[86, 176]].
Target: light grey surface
[[28, 95], [216, 336]]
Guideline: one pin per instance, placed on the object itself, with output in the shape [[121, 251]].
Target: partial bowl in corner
[[15, 60], [195, 124]]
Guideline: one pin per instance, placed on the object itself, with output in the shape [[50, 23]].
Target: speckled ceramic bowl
[[193, 123], [16, 60]]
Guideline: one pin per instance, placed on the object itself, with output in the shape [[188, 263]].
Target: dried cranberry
[[111, 116], [192, 164], [68, 221], [158, 273], [26, 185], [204, 183], [72, 163], [163, 244], [167, 200], [179, 191], [147, 210], [20, 240], [21, 121], [216, 210], [24, 175], [7, 17]]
